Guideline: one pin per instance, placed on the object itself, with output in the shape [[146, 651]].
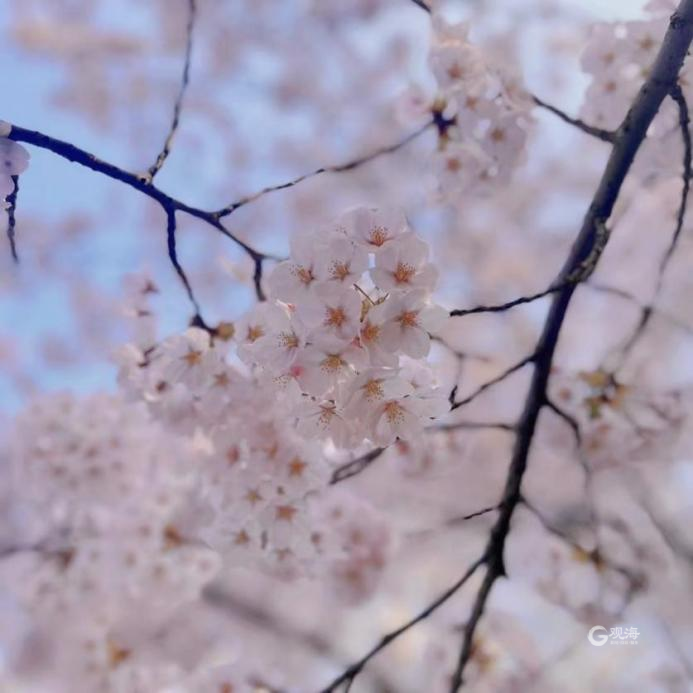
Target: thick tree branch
[[604, 135], [178, 105], [626, 143], [138, 182]]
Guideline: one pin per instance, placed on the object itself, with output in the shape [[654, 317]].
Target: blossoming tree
[[413, 416]]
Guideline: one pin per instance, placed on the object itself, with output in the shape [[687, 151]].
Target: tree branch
[[70, 152], [648, 310], [11, 218], [346, 471], [603, 135], [352, 671], [422, 5], [338, 168], [626, 143], [178, 105], [505, 374], [501, 307]]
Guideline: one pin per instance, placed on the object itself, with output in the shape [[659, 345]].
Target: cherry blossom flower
[[464, 166], [374, 228], [334, 314], [407, 320], [342, 261], [322, 365], [324, 420], [402, 265], [399, 413], [371, 338], [276, 341], [293, 280]]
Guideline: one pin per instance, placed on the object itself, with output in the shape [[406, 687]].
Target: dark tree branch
[[626, 143], [473, 426], [338, 168], [501, 307], [647, 311], [684, 124], [348, 676], [422, 5], [627, 296], [178, 105], [11, 218], [604, 135], [138, 182], [173, 257], [346, 471], [360, 464], [499, 378]]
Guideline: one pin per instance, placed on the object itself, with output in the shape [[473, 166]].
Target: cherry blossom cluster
[[259, 483], [255, 473], [618, 58], [482, 112], [347, 331], [14, 160], [619, 422], [97, 511]]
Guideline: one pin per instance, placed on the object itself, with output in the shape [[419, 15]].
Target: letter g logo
[[597, 637]]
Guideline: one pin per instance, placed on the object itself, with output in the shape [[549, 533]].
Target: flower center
[[404, 273], [373, 389], [394, 412], [497, 135], [335, 317], [409, 319], [327, 411], [455, 71], [193, 358], [254, 333], [340, 270], [378, 236], [453, 165], [305, 275], [288, 340], [370, 332], [332, 363]]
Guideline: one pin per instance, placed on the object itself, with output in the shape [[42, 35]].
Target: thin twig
[[173, 257], [422, 5], [11, 218], [473, 426], [494, 381], [346, 471], [339, 168], [684, 124], [178, 105], [500, 307], [352, 671], [647, 311], [599, 133]]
